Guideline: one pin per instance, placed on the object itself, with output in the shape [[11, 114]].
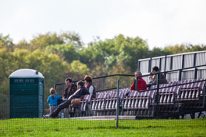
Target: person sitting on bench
[[90, 87], [78, 94], [141, 84], [70, 89], [161, 79]]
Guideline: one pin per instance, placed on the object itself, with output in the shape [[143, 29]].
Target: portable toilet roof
[[26, 73]]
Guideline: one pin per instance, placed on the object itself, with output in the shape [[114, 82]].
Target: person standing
[[53, 100]]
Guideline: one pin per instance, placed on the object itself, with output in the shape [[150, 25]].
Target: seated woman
[[89, 86], [160, 80]]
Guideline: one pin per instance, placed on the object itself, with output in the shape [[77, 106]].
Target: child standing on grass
[[52, 100]]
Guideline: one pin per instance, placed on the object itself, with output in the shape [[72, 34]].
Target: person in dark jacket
[[78, 94], [161, 79], [90, 87], [70, 89]]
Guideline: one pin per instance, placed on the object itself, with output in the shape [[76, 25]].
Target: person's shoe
[[45, 116]]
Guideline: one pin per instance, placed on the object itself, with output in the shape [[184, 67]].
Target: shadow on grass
[[120, 127]]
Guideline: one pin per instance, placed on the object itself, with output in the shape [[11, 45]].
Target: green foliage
[[67, 51], [119, 49], [23, 44], [78, 70], [44, 40], [64, 55], [72, 38], [131, 50], [76, 66], [4, 102], [184, 48], [159, 52], [49, 38], [50, 65], [5, 40]]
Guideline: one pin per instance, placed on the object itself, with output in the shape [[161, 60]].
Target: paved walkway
[[105, 118]]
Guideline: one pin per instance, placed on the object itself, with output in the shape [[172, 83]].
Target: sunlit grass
[[72, 127]]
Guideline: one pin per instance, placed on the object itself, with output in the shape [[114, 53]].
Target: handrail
[[178, 84], [127, 75]]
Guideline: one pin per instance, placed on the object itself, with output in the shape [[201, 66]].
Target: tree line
[[58, 56]]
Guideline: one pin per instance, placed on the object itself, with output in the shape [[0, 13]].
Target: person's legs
[[60, 107], [52, 108], [69, 109], [64, 105]]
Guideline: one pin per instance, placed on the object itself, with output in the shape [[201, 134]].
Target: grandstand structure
[[177, 65], [184, 94]]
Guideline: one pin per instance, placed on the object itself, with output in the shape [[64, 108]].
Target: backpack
[[59, 101]]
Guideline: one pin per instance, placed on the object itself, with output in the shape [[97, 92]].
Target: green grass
[[87, 128]]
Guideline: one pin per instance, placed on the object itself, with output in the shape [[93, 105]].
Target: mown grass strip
[[72, 127]]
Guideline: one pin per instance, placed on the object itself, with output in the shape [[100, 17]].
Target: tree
[[119, 49], [77, 70], [43, 40], [176, 49], [131, 50], [72, 38], [159, 52], [191, 47], [50, 65], [6, 42], [184, 48], [67, 51]]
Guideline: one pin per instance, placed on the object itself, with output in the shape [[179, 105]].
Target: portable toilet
[[26, 94]]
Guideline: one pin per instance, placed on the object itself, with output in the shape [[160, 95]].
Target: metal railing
[[156, 103], [125, 75], [105, 83]]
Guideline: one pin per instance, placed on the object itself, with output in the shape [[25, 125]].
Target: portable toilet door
[[26, 94]]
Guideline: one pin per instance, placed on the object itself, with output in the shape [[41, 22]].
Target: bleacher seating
[[173, 98]]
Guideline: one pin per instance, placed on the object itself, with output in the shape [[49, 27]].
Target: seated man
[[161, 79], [70, 89], [78, 94], [141, 84]]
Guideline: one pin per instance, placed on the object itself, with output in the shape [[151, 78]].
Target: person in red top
[[141, 84]]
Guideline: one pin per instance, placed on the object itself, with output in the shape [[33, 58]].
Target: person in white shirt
[[151, 77]]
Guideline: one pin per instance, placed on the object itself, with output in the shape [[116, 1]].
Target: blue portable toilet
[[26, 94]]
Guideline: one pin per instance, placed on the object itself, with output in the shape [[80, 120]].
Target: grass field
[[87, 128]]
